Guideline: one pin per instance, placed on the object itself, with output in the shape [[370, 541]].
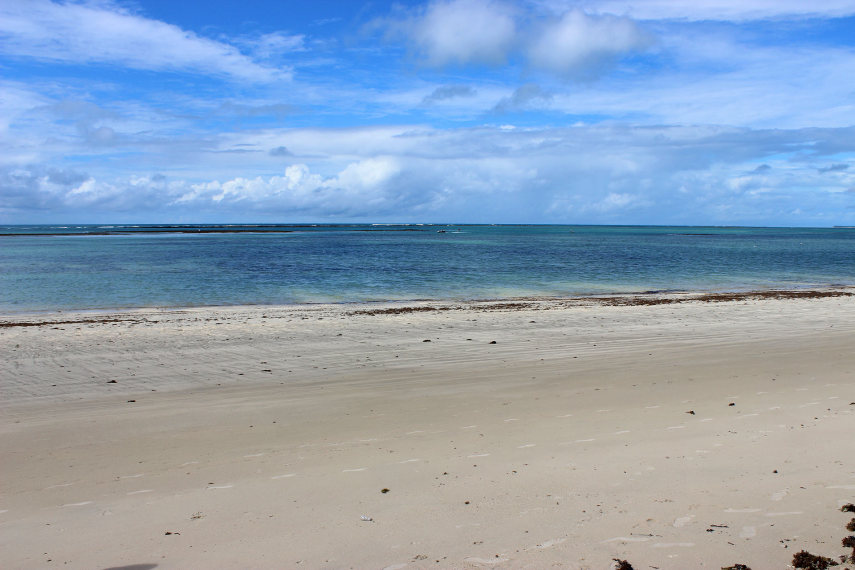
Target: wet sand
[[670, 431]]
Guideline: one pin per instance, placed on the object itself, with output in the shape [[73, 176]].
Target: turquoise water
[[107, 267]]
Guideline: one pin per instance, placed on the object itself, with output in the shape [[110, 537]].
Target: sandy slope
[[259, 437]]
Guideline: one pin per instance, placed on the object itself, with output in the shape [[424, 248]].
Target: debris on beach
[[851, 526], [622, 564], [366, 518], [808, 561], [848, 508], [736, 567], [384, 490]]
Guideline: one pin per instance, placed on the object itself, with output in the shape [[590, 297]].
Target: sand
[[533, 434]]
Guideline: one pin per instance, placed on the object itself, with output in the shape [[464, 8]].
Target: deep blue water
[[97, 267]]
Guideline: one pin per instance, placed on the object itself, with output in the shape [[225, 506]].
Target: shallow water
[[106, 267]]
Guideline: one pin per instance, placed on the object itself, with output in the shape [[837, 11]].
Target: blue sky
[[719, 112]]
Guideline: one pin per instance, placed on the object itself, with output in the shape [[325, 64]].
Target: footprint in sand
[[550, 543], [779, 495], [683, 521]]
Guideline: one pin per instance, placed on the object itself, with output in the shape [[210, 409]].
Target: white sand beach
[[537, 434]]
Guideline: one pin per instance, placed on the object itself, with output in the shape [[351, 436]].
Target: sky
[[709, 112]]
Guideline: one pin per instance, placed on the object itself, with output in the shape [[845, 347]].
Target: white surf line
[[833, 398], [3, 511], [512, 420], [285, 476], [603, 411], [477, 455], [674, 545], [189, 463], [220, 487], [784, 514], [809, 404], [651, 407], [676, 427], [367, 440], [750, 510], [59, 485], [131, 476], [621, 432], [469, 427], [253, 455], [845, 487], [415, 432], [526, 445], [354, 470], [775, 408], [565, 416], [707, 420], [140, 492], [747, 415], [77, 504], [585, 440]]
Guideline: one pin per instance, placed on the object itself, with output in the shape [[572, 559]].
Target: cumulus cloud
[[837, 167], [727, 10], [580, 46], [572, 44], [522, 98], [103, 33], [280, 151], [462, 32], [585, 174], [447, 92]]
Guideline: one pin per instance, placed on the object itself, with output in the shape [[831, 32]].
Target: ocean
[[88, 267]]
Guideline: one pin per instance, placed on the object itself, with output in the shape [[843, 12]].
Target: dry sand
[[260, 437]]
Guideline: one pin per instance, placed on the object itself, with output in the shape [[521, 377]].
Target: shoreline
[[12, 319], [692, 432]]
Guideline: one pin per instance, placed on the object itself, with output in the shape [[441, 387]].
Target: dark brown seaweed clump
[[851, 526], [736, 567], [808, 561], [623, 565], [848, 508]]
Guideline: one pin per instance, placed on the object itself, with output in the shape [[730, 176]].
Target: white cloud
[[579, 45], [731, 10], [102, 33], [602, 174], [464, 31]]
